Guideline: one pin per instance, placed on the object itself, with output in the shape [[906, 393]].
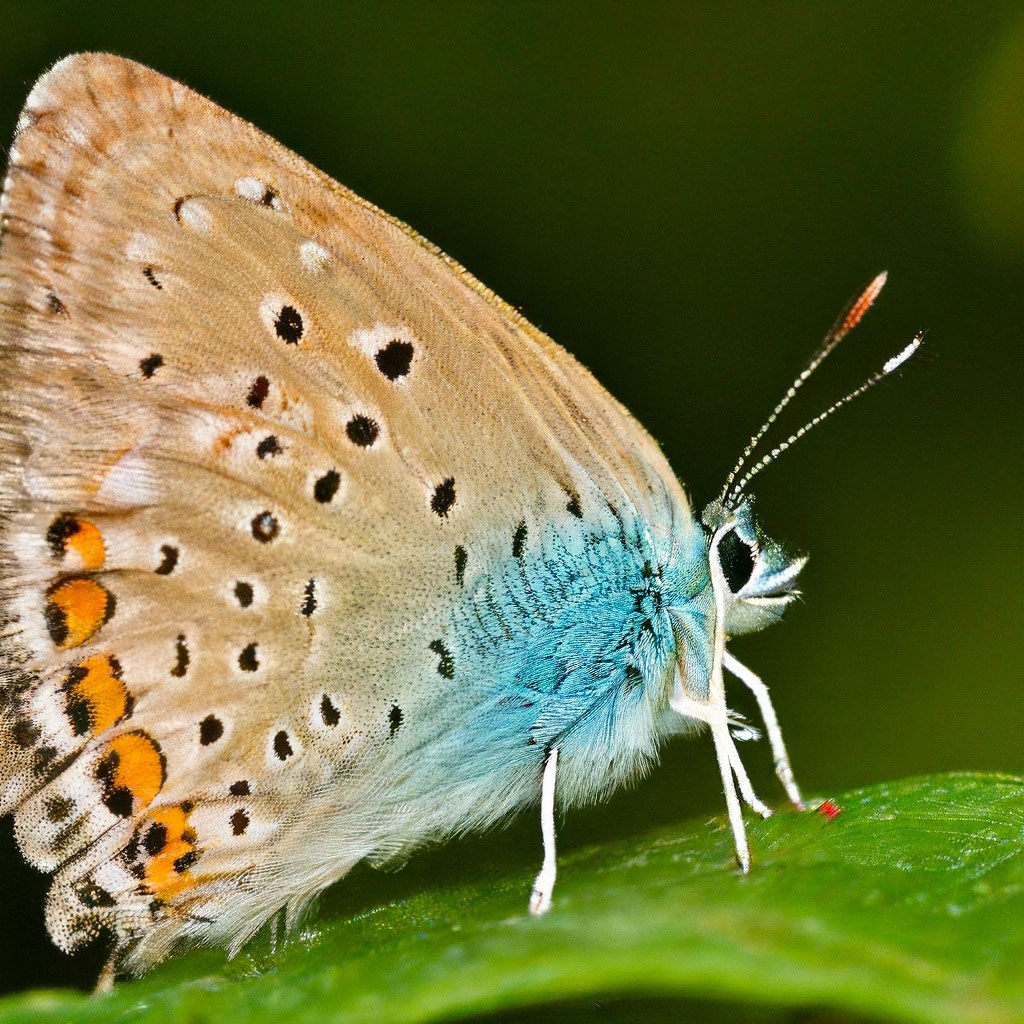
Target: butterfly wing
[[256, 438]]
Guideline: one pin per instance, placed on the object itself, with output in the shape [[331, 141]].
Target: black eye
[[737, 560]]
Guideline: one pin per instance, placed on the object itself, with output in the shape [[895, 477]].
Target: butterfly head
[[753, 575]]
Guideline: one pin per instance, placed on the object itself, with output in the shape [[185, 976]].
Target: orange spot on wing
[[137, 766], [68, 533], [168, 872], [87, 543], [94, 687], [225, 440], [76, 608]]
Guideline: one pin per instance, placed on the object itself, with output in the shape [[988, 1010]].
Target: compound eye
[[737, 560]]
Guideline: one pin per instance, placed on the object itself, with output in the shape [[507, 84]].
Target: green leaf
[[909, 906]]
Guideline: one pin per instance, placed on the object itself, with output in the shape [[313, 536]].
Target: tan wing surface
[[251, 428]]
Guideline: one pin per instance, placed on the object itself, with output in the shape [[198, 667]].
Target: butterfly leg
[[729, 765], [723, 746], [743, 781], [771, 724], [543, 886]]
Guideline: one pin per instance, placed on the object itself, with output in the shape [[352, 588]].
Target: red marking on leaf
[[829, 809]]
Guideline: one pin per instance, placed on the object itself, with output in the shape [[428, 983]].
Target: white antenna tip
[[898, 360]]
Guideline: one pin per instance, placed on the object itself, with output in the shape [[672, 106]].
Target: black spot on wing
[[56, 623], [58, 808], [169, 559], [248, 660], [269, 446], [258, 391], [394, 359], [61, 530], [79, 712], [395, 719], [573, 506], [309, 598], [328, 712], [25, 733], [445, 663], [211, 728], [92, 895], [282, 746], [362, 430], [181, 657], [151, 364], [288, 325], [265, 527], [519, 540], [185, 861], [443, 497], [327, 486]]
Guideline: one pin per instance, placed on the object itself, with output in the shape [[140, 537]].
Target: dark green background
[[684, 195]]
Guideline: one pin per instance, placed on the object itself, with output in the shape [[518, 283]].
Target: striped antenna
[[845, 322], [890, 366]]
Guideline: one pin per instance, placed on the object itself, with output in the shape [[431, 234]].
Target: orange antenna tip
[[863, 303]]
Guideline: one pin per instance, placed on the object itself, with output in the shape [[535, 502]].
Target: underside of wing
[[255, 437]]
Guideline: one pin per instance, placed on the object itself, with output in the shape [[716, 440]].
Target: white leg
[[540, 898], [720, 734], [746, 789], [771, 724]]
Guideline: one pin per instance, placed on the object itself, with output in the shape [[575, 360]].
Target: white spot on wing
[[141, 248], [257, 191], [370, 340], [314, 256], [251, 188], [110, 875], [77, 134], [48, 713], [194, 215]]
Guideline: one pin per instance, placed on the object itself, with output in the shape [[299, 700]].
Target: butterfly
[[311, 548]]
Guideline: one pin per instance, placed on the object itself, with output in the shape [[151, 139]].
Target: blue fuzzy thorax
[[572, 644]]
